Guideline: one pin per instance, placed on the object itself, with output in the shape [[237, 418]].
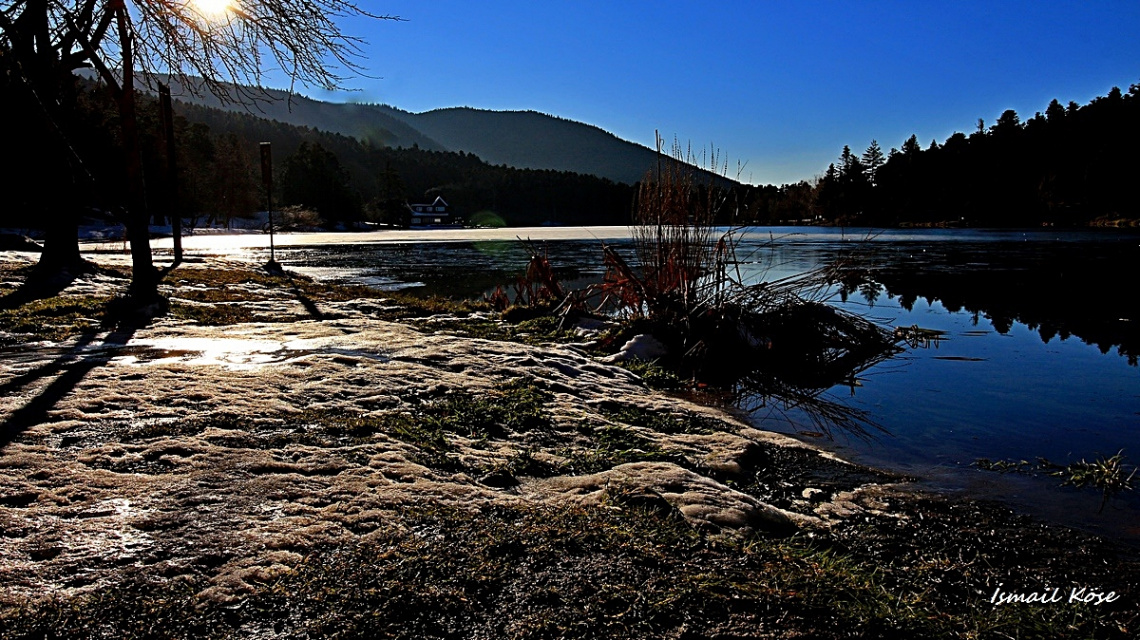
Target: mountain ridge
[[537, 140], [361, 121], [525, 139]]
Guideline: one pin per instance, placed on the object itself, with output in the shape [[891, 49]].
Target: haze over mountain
[[522, 139]]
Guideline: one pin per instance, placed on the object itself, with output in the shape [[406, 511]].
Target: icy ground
[[173, 450]]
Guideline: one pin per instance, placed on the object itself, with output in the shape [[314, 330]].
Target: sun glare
[[213, 8]]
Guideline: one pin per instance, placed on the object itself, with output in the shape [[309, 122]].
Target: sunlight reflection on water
[[235, 354], [227, 352]]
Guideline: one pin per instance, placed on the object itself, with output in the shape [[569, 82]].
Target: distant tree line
[[1070, 165]]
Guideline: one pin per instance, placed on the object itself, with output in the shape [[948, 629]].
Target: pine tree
[[1054, 112], [872, 160], [910, 148]]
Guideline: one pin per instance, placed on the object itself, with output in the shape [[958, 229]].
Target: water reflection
[[813, 412], [235, 354], [1057, 290]]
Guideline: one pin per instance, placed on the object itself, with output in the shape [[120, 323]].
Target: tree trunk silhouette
[[144, 279], [45, 95], [61, 245]]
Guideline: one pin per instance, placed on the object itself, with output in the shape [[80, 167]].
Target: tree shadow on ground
[[38, 286], [69, 369], [307, 302], [71, 365]]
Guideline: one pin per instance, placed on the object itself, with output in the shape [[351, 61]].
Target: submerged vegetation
[[1110, 475], [1106, 474]]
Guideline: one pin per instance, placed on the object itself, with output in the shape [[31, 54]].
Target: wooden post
[[267, 180], [171, 170]]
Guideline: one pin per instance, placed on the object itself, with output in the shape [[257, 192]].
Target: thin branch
[[172, 38]]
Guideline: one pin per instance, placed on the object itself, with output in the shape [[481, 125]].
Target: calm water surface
[[1038, 360]]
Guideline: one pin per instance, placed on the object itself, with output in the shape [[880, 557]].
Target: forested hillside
[[536, 140], [370, 123], [383, 178]]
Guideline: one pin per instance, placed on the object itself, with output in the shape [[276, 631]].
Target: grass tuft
[[1109, 475], [654, 375], [667, 422], [615, 445], [55, 319], [516, 406]]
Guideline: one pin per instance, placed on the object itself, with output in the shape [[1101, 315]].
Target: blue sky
[[779, 86]]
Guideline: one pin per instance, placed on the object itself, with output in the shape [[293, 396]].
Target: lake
[[1038, 360]]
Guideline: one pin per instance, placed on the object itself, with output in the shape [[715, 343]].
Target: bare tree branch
[[200, 51]]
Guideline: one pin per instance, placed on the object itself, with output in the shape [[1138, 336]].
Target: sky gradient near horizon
[[779, 86]]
